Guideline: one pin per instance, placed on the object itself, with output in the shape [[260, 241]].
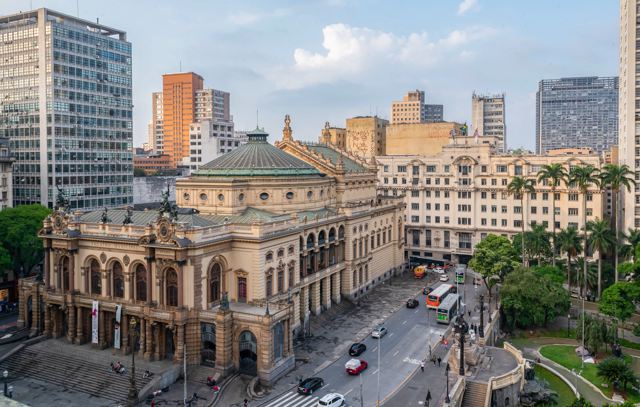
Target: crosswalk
[[293, 399]]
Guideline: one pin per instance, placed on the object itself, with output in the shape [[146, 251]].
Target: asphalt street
[[400, 353]]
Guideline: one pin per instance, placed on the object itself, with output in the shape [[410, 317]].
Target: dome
[[256, 158]]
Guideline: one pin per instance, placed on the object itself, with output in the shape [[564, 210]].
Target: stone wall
[[150, 189], [426, 139]]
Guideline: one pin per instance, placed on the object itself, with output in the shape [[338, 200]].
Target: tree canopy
[[494, 257], [618, 300], [19, 235]]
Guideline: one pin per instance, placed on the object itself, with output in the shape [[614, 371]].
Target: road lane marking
[[281, 399], [415, 312], [391, 334], [375, 371], [395, 354], [374, 349], [404, 322], [412, 361], [350, 390]]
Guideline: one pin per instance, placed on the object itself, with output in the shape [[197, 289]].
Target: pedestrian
[[426, 401], [433, 359], [246, 403], [469, 312], [422, 365], [439, 361]]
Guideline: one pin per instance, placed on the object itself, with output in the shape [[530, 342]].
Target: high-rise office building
[[155, 138], [410, 110], [65, 104], [628, 109], [433, 113], [488, 118], [179, 111], [6, 174], [577, 112], [213, 104]]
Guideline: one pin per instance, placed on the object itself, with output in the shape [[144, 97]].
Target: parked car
[[438, 270], [357, 348], [444, 278], [308, 386], [412, 303], [427, 290], [331, 400], [355, 366], [379, 332]]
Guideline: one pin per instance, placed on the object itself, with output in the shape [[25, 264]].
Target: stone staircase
[[72, 373], [474, 394]]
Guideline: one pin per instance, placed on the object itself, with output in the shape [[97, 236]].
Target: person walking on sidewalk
[[439, 360], [422, 365]]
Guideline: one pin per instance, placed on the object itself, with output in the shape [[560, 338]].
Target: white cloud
[[353, 51], [247, 18], [466, 5]]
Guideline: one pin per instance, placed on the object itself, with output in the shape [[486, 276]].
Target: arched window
[[280, 252], [269, 282], [332, 234], [291, 250], [311, 241], [355, 279], [172, 287], [278, 341], [321, 238], [141, 283], [118, 280], [63, 269], [281, 279], [292, 270], [301, 244], [242, 289], [389, 234], [96, 277], [341, 232], [269, 256], [215, 276]]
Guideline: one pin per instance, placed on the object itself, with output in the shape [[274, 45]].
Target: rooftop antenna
[[78, 8], [257, 121], [180, 65]]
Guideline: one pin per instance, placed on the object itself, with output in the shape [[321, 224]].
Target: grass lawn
[[565, 355], [565, 395]]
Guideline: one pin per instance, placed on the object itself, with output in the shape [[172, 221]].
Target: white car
[[438, 270], [444, 278], [331, 400], [379, 332]]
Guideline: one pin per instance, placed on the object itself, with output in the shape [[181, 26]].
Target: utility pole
[[361, 394], [185, 375], [379, 371]]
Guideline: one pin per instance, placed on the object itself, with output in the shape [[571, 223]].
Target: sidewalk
[[329, 342]]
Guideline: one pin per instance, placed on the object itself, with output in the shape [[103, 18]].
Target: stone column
[[179, 357], [102, 343], [143, 336], [326, 292], [159, 338], [124, 335], [79, 326], [315, 298], [71, 323], [47, 266], [297, 320], [148, 349], [149, 280], [47, 321], [304, 303], [224, 342], [104, 283], [180, 286], [336, 284], [35, 312], [72, 269]]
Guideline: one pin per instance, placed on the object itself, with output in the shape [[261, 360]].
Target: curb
[[560, 376]]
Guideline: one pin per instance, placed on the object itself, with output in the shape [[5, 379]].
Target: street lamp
[[481, 327], [446, 373], [568, 325], [5, 376], [461, 328], [132, 398]]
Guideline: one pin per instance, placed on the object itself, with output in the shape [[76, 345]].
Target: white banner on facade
[[94, 322], [116, 333]]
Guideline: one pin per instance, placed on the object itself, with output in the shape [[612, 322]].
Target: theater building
[[261, 239]]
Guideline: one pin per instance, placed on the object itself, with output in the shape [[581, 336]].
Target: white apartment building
[[488, 118], [6, 174], [213, 104], [210, 139], [456, 198], [155, 129], [629, 107]]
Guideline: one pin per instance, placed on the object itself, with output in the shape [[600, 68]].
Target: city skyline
[[290, 58]]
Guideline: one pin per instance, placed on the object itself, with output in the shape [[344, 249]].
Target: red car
[[355, 366]]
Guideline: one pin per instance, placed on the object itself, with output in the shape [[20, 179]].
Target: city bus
[[460, 273], [447, 309], [436, 296]]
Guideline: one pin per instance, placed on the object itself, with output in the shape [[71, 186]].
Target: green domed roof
[[256, 158]]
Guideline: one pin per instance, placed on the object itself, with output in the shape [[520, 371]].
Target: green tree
[[602, 240], [5, 261], [569, 242], [580, 402], [618, 300], [530, 300], [633, 237], [616, 371], [583, 178], [493, 258], [553, 273], [597, 332], [538, 242], [617, 177], [19, 236], [553, 174], [518, 187], [139, 172]]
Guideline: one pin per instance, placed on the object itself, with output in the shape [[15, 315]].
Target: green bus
[[447, 309], [460, 273]]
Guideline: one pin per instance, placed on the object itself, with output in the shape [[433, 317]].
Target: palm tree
[[538, 242], [518, 187], [569, 242], [553, 174], [633, 239], [584, 177], [601, 239], [617, 177]]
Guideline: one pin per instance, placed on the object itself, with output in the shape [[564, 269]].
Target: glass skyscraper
[[65, 104], [577, 112]]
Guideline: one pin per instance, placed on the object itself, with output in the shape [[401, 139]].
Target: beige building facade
[[419, 138], [366, 136], [457, 197], [262, 238], [335, 136], [488, 118], [411, 109]]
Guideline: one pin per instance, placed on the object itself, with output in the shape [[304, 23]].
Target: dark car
[[357, 348], [453, 290], [412, 303], [308, 386], [427, 290]]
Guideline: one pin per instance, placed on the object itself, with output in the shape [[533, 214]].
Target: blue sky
[[327, 60]]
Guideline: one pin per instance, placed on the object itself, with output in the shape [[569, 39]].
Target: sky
[[328, 60]]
